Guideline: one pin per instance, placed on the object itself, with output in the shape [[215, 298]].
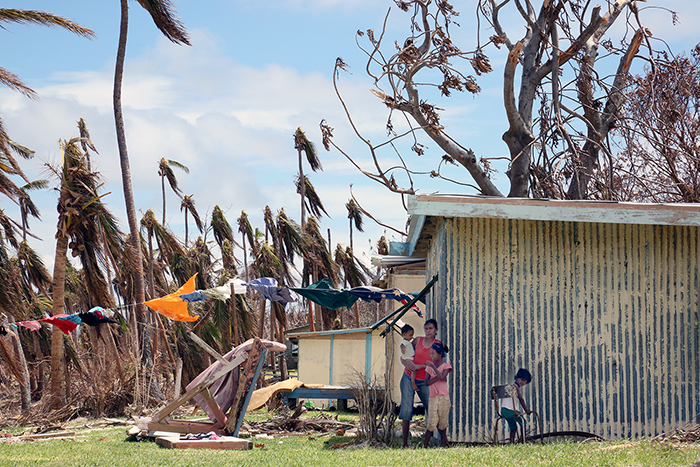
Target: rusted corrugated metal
[[605, 316]]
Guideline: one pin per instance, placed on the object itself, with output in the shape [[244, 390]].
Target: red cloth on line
[[33, 325], [64, 325]]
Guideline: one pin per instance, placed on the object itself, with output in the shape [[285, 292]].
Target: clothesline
[[68, 323], [174, 305]]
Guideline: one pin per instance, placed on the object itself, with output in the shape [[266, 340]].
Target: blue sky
[[227, 107]]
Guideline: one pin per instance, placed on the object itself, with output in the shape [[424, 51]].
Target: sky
[[227, 107]]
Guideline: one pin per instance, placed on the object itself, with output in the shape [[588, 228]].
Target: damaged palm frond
[[8, 15], [220, 227], [316, 252], [34, 272], [246, 229], [353, 274], [165, 18], [291, 236], [187, 205], [85, 219], [168, 243], [366, 213], [165, 171], [312, 200], [303, 144], [267, 264], [354, 214]]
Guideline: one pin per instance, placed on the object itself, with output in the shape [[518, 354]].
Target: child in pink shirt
[[439, 407]]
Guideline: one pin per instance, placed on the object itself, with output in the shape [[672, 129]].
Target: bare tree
[[660, 135], [556, 64]]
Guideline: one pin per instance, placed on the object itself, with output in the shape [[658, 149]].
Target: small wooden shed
[[338, 357], [600, 300]]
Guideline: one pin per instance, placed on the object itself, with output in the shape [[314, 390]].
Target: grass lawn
[[108, 447]]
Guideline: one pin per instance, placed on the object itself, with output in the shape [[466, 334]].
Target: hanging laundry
[[192, 297], [108, 313], [63, 322], [376, 294], [323, 293], [368, 293], [268, 288], [96, 316], [172, 306], [74, 318], [262, 281], [31, 325], [218, 293]]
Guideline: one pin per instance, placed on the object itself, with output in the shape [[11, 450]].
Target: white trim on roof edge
[[553, 210]]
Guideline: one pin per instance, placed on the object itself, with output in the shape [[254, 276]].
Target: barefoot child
[[512, 416], [439, 406], [407, 351]]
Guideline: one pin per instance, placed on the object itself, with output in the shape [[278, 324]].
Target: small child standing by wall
[[407, 350], [439, 406], [508, 411]]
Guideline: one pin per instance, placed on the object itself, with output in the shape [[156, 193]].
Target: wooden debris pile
[[41, 414], [288, 423], [687, 434]]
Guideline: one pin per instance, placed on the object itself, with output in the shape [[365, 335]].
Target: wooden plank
[[180, 426], [228, 367], [216, 410], [58, 434], [244, 385], [322, 393], [224, 442], [198, 340]]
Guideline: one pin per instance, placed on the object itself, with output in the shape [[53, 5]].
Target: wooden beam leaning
[[246, 380], [198, 340], [216, 410], [228, 367]]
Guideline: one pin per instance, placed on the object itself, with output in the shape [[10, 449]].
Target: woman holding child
[[422, 347]]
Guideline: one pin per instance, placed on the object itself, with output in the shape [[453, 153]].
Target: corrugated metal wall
[[605, 316]]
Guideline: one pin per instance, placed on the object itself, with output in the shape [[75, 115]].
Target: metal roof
[[422, 207]]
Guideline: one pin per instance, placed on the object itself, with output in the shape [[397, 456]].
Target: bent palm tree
[[223, 234], [83, 221], [187, 205], [311, 199], [86, 142], [166, 21], [302, 143], [220, 227], [247, 233], [355, 216], [165, 171]]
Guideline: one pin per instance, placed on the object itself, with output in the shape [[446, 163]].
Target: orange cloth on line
[[172, 306]]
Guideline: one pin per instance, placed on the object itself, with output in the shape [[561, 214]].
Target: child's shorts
[[438, 412], [512, 417]]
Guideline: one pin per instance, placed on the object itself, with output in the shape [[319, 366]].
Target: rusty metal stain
[[606, 316]]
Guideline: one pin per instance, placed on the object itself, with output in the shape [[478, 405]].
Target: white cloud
[[231, 124]]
